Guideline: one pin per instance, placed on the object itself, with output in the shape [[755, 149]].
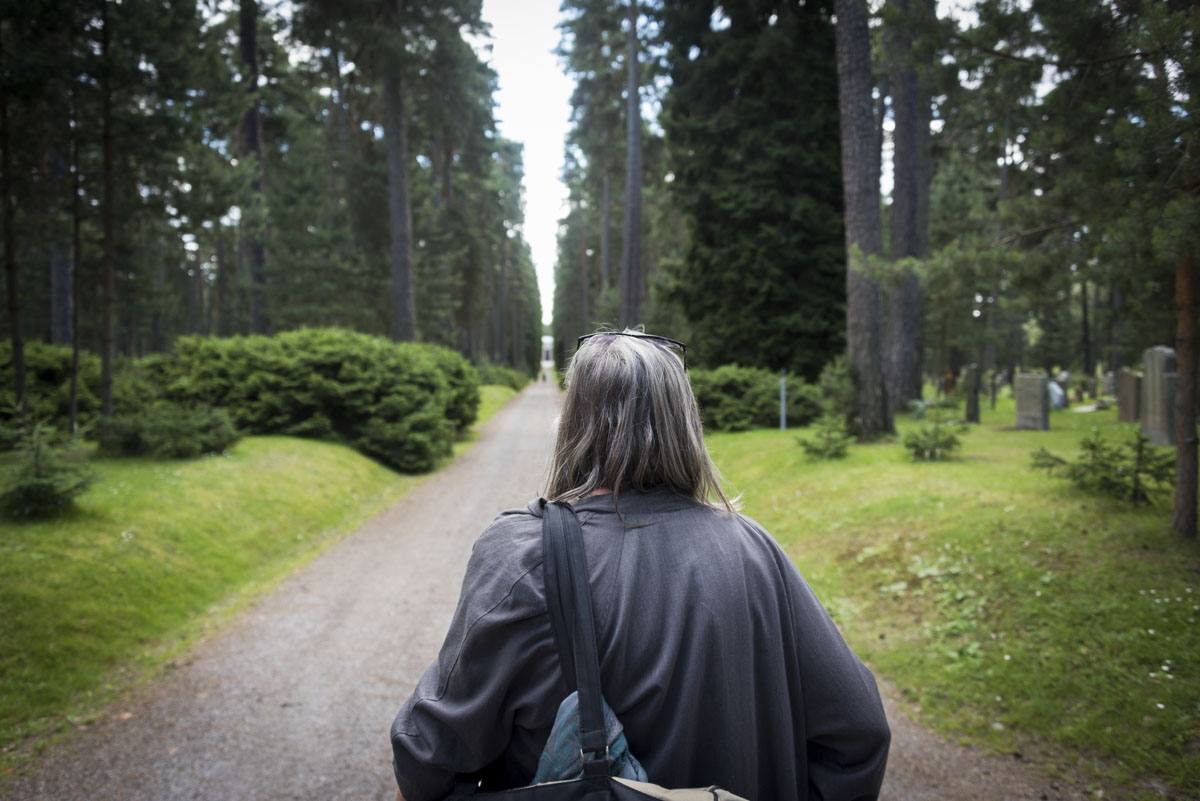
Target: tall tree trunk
[[107, 223], [10, 249], [631, 279], [605, 227], [251, 241], [404, 314], [904, 346], [584, 313], [76, 263], [1089, 362], [1183, 518], [221, 301], [860, 182], [502, 309], [59, 257]]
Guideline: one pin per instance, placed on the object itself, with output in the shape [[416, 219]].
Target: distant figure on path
[[715, 655]]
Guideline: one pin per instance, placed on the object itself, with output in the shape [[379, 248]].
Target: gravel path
[[293, 700]]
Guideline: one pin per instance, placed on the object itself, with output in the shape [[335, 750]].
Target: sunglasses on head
[[672, 344]]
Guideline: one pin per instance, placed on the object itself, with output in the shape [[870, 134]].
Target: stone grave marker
[[1129, 395], [1033, 401], [1158, 395]]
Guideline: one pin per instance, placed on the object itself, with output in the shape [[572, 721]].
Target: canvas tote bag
[[569, 602]]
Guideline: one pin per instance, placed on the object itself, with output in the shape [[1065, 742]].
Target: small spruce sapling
[[1134, 472]]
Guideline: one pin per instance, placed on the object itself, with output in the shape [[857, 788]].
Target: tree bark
[[221, 300], [1184, 516], [904, 345], [251, 240], [631, 279], [76, 263], [108, 224], [404, 314], [10, 250], [860, 183], [1089, 362], [605, 227], [59, 256]]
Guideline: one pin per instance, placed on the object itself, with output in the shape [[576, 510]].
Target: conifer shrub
[[1134, 471], [933, 441], [42, 484], [463, 405], [47, 388], [828, 438], [390, 400], [735, 398], [168, 430], [500, 375]]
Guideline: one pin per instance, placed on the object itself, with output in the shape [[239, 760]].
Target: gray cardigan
[[716, 656]]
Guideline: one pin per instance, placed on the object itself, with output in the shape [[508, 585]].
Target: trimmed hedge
[[48, 384], [168, 430], [502, 376], [734, 398], [392, 401], [463, 406]]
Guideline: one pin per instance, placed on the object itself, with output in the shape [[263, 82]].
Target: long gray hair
[[630, 421]]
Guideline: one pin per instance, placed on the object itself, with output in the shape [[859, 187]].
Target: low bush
[[48, 387], [502, 376], [829, 439], [934, 441], [1133, 472], [392, 401], [734, 398], [168, 430], [42, 484], [463, 405]]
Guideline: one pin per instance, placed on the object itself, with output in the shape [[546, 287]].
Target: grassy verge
[[157, 553], [1011, 610]]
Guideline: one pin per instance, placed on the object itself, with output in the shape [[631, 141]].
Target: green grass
[[156, 555], [1011, 610]]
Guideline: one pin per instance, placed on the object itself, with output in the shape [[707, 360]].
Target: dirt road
[[294, 698]]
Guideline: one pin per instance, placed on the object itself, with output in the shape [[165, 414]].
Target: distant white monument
[[548, 356]]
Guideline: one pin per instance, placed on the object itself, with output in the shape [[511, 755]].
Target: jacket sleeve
[[847, 732], [489, 671]]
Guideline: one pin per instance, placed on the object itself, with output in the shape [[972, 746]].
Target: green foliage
[[499, 375], [463, 405], [829, 439], [933, 441], [1017, 617], [42, 484], [1134, 472], [48, 385], [168, 430], [751, 134], [390, 400], [734, 398], [836, 387]]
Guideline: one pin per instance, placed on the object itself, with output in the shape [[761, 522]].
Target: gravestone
[[1158, 395], [1129, 395], [1110, 384], [970, 382], [1032, 394]]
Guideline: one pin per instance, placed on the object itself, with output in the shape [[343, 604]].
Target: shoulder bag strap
[[569, 602]]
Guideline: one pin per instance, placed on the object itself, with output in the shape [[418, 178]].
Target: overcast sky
[[533, 109]]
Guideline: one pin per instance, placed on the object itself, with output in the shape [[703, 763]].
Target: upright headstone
[[1110, 384], [1032, 394], [970, 382], [1158, 395], [1129, 395]]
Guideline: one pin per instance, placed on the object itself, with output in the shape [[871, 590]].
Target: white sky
[[533, 108]]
